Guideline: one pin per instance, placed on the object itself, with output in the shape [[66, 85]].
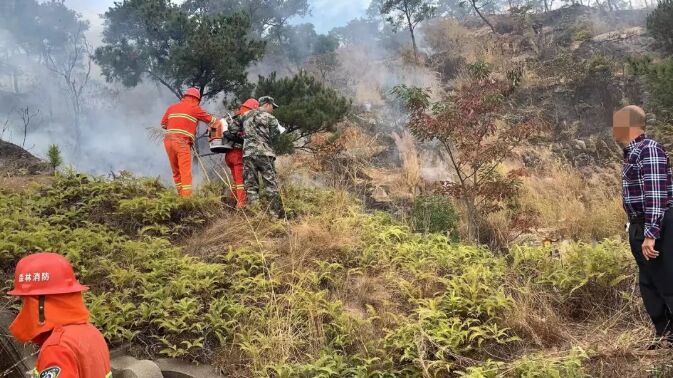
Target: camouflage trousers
[[259, 167]]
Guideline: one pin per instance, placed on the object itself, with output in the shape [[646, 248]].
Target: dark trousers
[[656, 276]]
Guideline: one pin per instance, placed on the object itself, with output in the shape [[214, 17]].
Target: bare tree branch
[[26, 116]]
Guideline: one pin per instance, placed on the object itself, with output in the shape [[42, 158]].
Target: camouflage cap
[[267, 100]]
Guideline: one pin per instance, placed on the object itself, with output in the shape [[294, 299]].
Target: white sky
[[326, 14]]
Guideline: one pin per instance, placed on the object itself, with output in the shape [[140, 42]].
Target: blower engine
[[218, 143]]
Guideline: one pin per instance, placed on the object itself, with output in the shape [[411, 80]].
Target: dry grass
[[234, 230], [18, 184], [343, 161], [615, 334], [316, 238], [411, 163], [535, 318], [576, 207], [444, 34]]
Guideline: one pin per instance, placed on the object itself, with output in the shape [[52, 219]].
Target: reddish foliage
[[473, 126]]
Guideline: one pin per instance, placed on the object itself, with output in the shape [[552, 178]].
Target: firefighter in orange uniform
[[234, 156], [53, 315], [181, 121]]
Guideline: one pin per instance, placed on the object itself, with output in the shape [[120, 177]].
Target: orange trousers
[[180, 156], [234, 160]]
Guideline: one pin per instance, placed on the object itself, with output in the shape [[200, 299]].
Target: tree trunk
[[78, 134], [473, 219], [476, 9], [413, 37], [413, 42]]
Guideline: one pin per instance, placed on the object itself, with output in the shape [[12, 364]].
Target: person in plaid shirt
[[647, 191]]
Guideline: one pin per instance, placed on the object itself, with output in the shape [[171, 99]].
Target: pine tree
[[54, 155], [157, 40], [658, 79], [660, 25], [306, 106]]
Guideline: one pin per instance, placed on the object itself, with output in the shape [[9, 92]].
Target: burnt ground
[[15, 161]]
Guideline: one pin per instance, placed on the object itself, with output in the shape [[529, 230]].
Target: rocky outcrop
[[125, 366], [129, 367], [617, 45], [180, 369]]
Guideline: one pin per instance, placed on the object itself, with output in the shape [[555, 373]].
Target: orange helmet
[[249, 104], [194, 92], [45, 274]]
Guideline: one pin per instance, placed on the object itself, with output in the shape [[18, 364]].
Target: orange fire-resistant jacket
[[70, 347], [74, 351], [181, 119]]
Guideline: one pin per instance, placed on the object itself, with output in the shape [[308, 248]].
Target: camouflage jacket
[[235, 131], [260, 130]]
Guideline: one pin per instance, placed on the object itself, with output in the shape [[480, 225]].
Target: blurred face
[[267, 108], [627, 125]]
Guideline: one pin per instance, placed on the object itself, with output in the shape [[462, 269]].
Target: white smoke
[[114, 122]]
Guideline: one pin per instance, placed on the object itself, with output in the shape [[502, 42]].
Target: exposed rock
[[617, 44], [180, 369], [129, 367]]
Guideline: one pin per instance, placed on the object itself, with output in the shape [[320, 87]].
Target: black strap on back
[[41, 308]]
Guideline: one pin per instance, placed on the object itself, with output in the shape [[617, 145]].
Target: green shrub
[[659, 25], [457, 294], [582, 33], [135, 206], [601, 266], [434, 214], [333, 364], [533, 366], [598, 63], [479, 70], [54, 155]]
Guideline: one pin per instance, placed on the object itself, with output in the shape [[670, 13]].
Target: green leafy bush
[[54, 156], [434, 214], [583, 32], [533, 366], [135, 206], [567, 269], [457, 294], [479, 70]]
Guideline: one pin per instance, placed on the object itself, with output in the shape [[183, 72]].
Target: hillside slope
[[336, 293]]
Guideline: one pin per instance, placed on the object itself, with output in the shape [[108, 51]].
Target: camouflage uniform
[[235, 131], [259, 159]]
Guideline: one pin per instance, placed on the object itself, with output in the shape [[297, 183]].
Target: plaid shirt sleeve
[[654, 168]]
